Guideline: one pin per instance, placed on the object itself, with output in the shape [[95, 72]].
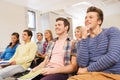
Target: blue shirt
[[101, 53], [40, 47], [8, 53]]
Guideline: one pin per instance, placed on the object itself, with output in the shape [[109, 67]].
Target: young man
[[39, 56], [98, 53], [57, 64], [39, 43], [23, 57]]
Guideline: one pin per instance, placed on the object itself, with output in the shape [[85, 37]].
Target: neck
[[78, 39], [12, 44], [39, 40], [49, 39], [94, 32], [26, 41], [63, 36]]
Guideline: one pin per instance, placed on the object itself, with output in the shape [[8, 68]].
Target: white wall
[[12, 19], [112, 20]]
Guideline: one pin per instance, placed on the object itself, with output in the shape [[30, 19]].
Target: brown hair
[[99, 11], [50, 34], [66, 22], [40, 33]]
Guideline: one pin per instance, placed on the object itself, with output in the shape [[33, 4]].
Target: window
[[32, 23]]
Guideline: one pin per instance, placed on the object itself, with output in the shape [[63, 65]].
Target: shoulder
[[32, 43], [113, 29], [17, 44]]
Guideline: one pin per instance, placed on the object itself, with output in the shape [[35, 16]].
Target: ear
[[99, 21], [66, 28], [30, 37]]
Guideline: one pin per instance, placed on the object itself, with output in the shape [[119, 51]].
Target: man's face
[[25, 36], [60, 28], [39, 37], [91, 20]]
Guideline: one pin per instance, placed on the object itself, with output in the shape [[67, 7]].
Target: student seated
[[98, 53], [22, 58], [11, 48], [58, 62], [38, 58]]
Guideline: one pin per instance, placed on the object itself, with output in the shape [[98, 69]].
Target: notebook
[[4, 63], [30, 75]]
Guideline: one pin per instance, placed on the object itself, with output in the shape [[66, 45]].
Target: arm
[[112, 56], [26, 57], [82, 53], [30, 56], [82, 49], [65, 69], [2, 55], [69, 68], [41, 65]]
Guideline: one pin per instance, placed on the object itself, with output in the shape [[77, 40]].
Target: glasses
[[38, 35]]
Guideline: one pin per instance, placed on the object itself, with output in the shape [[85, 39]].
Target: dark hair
[[66, 22], [17, 42], [99, 11], [40, 33], [29, 32]]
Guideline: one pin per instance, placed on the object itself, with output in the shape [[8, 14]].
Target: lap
[[52, 77], [55, 77], [11, 70], [95, 76]]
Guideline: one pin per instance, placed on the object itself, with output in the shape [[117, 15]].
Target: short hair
[[29, 32], [97, 10], [40, 33], [66, 22], [79, 27]]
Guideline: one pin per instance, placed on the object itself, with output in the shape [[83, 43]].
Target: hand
[[47, 71], [13, 62], [34, 69], [85, 32], [82, 70]]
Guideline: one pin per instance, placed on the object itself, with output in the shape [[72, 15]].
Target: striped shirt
[[101, 53]]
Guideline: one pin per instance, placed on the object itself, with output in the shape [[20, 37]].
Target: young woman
[[78, 35], [11, 48], [48, 37]]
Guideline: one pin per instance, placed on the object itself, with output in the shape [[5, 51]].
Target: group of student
[[94, 55]]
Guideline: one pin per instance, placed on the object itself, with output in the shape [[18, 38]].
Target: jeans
[[52, 77], [10, 71]]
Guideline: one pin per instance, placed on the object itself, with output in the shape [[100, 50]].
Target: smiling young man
[[98, 53], [58, 62], [22, 58]]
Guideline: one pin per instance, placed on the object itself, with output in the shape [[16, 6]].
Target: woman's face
[[14, 39], [47, 34], [78, 33]]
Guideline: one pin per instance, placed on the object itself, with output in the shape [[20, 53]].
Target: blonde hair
[[79, 27]]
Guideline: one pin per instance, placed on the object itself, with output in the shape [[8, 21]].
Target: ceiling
[[72, 7]]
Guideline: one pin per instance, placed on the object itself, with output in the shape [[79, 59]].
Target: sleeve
[[3, 54], [73, 47], [29, 56], [82, 53], [112, 56]]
